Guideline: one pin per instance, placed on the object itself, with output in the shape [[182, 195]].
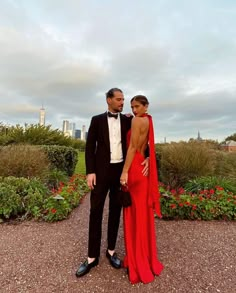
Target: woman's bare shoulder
[[137, 120]]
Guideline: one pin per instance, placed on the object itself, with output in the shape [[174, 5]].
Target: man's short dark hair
[[110, 93]]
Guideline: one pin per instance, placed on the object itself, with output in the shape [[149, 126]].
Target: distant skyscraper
[[65, 126], [42, 116], [83, 133], [72, 129], [77, 133]]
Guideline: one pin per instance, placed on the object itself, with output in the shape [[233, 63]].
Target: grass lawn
[[80, 167]]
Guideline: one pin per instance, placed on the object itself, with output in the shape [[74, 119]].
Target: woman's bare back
[[139, 133]]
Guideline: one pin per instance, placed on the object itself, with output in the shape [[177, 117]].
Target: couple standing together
[[115, 154]]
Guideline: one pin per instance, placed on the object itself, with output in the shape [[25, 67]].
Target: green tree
[[36, 134], [231, 137]]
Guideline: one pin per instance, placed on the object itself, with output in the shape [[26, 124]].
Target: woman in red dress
[[139, 229]]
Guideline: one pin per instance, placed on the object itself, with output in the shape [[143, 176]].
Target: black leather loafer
[[85, 267], [114, 260]]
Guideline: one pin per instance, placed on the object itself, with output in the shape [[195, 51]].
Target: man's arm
[[90, 148], [90, 154]]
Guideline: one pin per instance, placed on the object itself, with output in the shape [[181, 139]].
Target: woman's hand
[[124, 178]]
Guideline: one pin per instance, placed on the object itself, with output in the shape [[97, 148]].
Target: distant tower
[[78, 133], [65, 126], [83, 133], [72, 127], [42, 116], [199, 136]]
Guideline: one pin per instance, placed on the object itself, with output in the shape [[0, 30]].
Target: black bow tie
[[109, 114]]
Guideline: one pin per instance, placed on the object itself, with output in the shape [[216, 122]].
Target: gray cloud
[[67, 54]]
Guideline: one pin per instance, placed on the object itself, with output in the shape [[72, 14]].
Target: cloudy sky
[[66, 54]]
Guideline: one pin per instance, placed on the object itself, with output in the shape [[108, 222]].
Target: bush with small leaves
[[182, 161], [23, 161]]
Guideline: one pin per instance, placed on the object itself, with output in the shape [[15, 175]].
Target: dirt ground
[[40, 257]]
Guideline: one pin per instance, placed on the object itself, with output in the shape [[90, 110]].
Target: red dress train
[[139, 229]]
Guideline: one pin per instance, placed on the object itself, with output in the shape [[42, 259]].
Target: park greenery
[[42, 176]]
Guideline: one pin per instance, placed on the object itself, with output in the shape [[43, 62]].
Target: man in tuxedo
[[104, 157]]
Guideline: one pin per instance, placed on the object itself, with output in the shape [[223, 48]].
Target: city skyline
[[83, 129], [69, 128]]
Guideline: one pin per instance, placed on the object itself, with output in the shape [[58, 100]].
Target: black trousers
[[97, 200]]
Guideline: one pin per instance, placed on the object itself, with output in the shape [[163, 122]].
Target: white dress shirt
[[115, 139]]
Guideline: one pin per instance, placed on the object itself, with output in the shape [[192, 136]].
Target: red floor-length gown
[[139, 229]]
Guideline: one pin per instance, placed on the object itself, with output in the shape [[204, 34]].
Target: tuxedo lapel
[[123, 132], [105, 130]]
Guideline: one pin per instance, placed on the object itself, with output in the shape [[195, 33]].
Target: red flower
[[53, 211], [200, 198], [181, 190], [219, 188], [211, 191], [173, 206], [181, 204], [194, 207], [187, 203]]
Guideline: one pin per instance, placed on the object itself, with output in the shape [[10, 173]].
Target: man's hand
[[146, 167], [91, 180]]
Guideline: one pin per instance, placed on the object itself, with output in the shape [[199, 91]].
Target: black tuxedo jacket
[[97, 151]]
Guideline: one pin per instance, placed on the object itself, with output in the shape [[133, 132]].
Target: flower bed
[[65, 198], [212, 204], [22, 198]]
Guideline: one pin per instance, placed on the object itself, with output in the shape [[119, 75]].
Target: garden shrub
[[23, 161], [62, 158], [10, 201], [211, 182], [53, 178], [56, 209], [226, 165], [20, 196], [182, 161], [24, 198], [65, 198]]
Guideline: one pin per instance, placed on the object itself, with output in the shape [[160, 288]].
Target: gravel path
[[42, 258]]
